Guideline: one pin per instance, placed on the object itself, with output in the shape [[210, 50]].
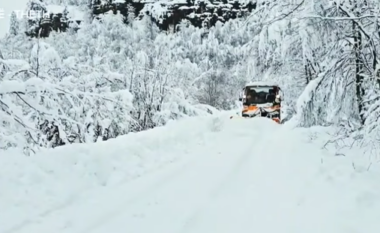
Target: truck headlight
[[277, 100]]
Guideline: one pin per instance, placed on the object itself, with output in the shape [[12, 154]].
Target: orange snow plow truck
[[261, 100]]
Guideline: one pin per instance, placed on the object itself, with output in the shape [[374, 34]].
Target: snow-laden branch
[[337, 18]]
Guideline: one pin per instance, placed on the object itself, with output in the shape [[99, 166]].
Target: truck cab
[[262, 100]]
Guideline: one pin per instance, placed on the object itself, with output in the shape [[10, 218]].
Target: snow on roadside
[[32, 186], [347, 184], [331, 192]]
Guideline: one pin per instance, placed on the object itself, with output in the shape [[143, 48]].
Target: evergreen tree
[[14, 25]]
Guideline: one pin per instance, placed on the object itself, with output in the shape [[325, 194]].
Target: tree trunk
[[358, 69]]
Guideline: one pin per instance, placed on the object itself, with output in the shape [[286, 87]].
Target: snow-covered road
[[237, 176]]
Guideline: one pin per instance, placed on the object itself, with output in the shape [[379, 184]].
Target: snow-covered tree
[[14, 27], [110, 78]]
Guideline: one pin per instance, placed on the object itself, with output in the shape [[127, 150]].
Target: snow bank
[[53, 178], [341, 192]]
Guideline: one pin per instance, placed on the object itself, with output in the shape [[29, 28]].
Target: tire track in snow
[[165, 191], [239, 168], [160, 184]]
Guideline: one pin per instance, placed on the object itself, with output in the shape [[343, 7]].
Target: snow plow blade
[[240, 117]]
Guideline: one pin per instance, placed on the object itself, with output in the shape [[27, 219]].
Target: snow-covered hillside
[[205, 174]]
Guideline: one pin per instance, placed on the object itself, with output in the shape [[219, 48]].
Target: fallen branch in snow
[[340, 142], [361, 170], [335, 142], [345, 132], [339, 154]]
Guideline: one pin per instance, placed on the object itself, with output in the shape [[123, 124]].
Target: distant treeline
[[199, 14]]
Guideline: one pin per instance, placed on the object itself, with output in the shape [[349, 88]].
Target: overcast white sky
[[7, 6]]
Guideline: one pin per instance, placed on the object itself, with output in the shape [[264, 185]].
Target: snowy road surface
[[219, 177]]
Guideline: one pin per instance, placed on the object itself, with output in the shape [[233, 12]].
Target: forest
[[166, 15], [110, 78]]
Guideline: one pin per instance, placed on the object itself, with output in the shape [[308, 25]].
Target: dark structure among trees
[[199, 13]]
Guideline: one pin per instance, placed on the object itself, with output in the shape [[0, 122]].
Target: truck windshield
[[259, 95]]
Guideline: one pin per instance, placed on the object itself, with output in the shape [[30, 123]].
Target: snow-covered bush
[[106, 80]]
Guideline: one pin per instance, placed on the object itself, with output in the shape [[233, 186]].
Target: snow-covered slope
[[200, 175]]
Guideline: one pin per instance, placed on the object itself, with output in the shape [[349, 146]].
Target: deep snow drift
[[202, 175]]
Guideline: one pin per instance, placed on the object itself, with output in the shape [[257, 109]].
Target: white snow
[[260, 83], [74, 13], [8, 86], [205, 174], [202, 174], [16, 64], [184, 8], [178, 1], [55, 9]]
